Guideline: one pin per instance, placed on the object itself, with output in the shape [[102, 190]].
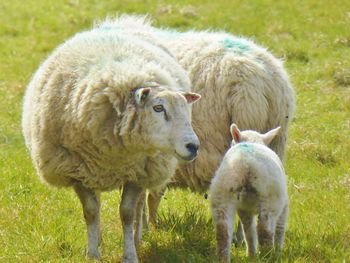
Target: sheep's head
[[252, 136], [165, 118]]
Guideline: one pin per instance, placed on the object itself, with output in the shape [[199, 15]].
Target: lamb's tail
[[245, 190]]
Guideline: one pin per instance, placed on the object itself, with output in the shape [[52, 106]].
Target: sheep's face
[[166, 121], [252, 136]]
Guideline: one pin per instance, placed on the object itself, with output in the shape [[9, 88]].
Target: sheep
[[250, 180], [104, 111], [239, 82]]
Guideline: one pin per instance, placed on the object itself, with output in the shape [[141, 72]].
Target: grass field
[[40, 224]]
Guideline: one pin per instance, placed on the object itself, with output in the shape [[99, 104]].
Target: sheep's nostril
[[192, 148]]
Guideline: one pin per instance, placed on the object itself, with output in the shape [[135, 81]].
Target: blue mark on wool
[[168, 33], [235, 45], [246, 147]]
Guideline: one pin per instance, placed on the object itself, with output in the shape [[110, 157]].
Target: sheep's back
[[239, 82]]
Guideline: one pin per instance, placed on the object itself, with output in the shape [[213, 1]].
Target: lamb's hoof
[[94, 256]]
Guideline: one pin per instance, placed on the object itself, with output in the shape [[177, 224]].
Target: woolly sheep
[[249, 181], [239, 82], [109, 110]]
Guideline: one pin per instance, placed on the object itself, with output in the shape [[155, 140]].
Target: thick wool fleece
[[239, 81], [79, 118]]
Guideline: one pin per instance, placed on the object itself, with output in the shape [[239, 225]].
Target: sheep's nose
[[193, 149]]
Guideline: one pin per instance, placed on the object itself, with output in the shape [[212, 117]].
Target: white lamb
[[109, 110], [249, 181]]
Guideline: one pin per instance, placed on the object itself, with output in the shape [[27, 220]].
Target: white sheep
[[109, 110], [239, 81], [249, 181]]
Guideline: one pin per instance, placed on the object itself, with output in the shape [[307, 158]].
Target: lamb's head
[[252, 136], [165, 118]]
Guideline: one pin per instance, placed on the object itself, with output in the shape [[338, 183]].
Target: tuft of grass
[[43, 224]]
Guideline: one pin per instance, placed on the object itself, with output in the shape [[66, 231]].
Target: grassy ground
[[41, 224]]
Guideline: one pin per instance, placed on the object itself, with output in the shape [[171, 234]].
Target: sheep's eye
[[158, 108]]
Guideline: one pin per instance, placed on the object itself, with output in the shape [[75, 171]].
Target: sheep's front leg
[[250, 235], [140, 214], [90, 201], [130, 197], [238, 237]]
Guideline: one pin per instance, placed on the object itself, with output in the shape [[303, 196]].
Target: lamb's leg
[[281, 228], [90, 201], [223, 220], [266, 228], [139, 218], [154, 198], [130, 197], [238, 236], [250, 235]]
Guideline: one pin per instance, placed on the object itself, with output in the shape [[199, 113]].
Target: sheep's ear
[[236, 133], [191, 97], [141, 95], [269, 136]]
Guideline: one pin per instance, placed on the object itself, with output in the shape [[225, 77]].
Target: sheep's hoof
[[94, 255]]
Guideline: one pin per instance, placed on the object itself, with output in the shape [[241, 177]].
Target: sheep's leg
[[90, 201], [223, 220], [266, 228], [154, 198], [281, 228], [144, 215], [130, 197], [250, 235], [238, 237], [139, 218]]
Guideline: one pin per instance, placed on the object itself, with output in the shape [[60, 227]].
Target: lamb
[[108, 110], [250, 180]]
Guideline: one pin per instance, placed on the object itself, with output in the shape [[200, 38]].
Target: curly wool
[[239, 81], [78, 116]]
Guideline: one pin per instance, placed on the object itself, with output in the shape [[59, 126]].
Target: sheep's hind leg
[[90, 201], [223, 219], [130, 198], [266, 229], [281, 228], [153, 200]]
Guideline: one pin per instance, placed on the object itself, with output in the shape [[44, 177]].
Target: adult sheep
[[104, 111], [239, 81]]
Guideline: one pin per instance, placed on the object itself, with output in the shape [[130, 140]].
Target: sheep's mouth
[[188, 158]]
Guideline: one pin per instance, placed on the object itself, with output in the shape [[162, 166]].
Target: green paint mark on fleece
[[235, 45], [246, 147]]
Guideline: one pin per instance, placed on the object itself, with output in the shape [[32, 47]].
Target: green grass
[[39, 224]]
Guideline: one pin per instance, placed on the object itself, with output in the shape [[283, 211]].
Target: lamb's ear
[[191, 97], [141, 95], [269, 136], [235, 133]]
